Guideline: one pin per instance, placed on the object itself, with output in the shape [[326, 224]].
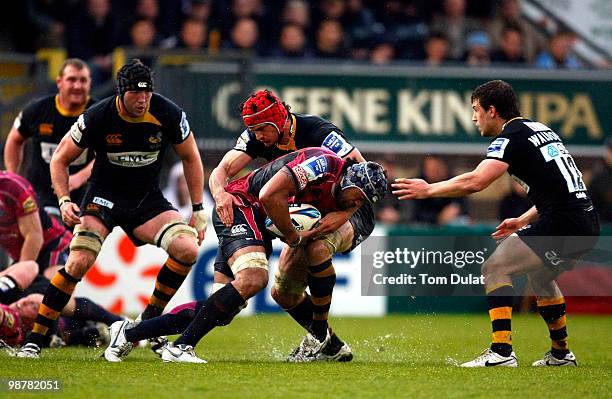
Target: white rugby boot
[[488, 358]]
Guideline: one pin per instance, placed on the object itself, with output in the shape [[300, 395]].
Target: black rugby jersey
[[306, 131], [538, 160], [129, 151], [46, 122]]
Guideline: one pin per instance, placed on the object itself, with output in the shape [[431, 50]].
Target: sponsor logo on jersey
[[336, 143], [301, 176], [552, 151], [29, 205], [132, 159], [315, 167], [103, 202], [497, 147], [156, 139], [581, 195], [184, 126], [243, 141], [114, 139], [91, 207], [238, 230], [45, 129]]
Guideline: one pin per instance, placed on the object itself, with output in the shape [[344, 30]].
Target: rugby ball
[[303, 216]]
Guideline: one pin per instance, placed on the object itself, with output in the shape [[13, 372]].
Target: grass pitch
[[395, 356]]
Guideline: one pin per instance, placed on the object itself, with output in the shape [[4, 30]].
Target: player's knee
[[250, 281], [287, 291], [184, 248], [284, 299], [493, 266], [317, 251], [79, 263]]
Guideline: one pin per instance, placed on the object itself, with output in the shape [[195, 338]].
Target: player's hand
[[410, 188], [199, 221], [506, 228], [225, 207], [70, 213]]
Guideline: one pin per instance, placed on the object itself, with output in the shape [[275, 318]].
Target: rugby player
[[311, 175], [272, 131], [129, 133], [544, 241], [45, 121]]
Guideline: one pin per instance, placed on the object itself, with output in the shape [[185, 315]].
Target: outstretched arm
[[480, 178]]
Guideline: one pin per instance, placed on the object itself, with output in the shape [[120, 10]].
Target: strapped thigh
[[170, 231]]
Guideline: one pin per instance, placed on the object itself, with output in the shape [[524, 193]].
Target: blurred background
[[395, 75]]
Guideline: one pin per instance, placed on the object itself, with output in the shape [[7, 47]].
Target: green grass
[[395, 356]]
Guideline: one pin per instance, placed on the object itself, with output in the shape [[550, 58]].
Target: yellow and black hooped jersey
[[46, 122], [129, 151], [306, 131]]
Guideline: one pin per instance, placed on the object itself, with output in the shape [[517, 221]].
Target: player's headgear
[[262, 108], [134, 76], [369, 177]]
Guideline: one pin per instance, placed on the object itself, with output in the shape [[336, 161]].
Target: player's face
[[28, 307], [74, 86], [483, 118], [350, 197], [136, 102], [267, 134]]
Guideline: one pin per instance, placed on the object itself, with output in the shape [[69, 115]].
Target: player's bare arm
[[76, 180], [194, 175], [67, 151], [32, 232], [232, 163], [511, 225], [274, 199], [13, 150], [477, 180]]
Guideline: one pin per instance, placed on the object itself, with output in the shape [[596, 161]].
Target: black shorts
[[247, 229], [562, 237], [127, 213], [55, 253], [363, 222]]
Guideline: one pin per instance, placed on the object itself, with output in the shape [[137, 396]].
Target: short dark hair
[[500, 95], [76, 63]]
